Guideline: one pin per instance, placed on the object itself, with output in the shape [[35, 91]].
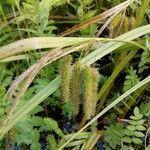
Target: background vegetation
[[74, 74]]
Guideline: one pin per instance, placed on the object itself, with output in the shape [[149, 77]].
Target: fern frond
[[145, 61], [131, 79]]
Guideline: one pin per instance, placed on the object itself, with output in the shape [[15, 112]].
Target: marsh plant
[[74, 74]]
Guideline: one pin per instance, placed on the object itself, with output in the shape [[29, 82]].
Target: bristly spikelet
[[132, 22], [95, 81], [90, 95], [65, 72], [74, 88], [125, 27]]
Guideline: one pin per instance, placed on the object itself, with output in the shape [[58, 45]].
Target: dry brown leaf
[[97, 18]]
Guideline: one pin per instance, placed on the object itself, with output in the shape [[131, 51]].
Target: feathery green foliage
[[131, 79], [145, 61]]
